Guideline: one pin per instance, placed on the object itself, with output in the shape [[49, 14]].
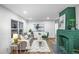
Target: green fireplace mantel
[[68, 40]]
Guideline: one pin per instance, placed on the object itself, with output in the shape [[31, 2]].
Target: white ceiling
[[37, 11]]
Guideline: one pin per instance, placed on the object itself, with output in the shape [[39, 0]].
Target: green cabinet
[[70, 17]]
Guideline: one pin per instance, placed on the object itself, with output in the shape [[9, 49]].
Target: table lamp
[[15, 38]]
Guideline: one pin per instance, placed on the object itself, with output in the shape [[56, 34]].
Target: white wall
[[77, 16], [5, 29], [49, 26]]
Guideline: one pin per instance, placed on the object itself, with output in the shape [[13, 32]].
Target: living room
[[32, 28]]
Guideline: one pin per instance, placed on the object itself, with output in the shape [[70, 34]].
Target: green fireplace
[[67, 34], [68, 40]]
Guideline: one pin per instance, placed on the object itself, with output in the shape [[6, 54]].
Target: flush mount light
[[47, 18], [25, 12]]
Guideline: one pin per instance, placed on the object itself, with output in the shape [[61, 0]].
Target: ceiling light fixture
[[47, 18], [25, 12]]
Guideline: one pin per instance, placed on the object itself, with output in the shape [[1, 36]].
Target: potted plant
[[30, 30], [45, 36]]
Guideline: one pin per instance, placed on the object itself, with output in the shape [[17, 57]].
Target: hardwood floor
[[51, 42]]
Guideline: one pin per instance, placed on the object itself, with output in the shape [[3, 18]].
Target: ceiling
[[37, 11]]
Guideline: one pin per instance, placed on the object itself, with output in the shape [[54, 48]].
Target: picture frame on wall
[[39, 27]]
